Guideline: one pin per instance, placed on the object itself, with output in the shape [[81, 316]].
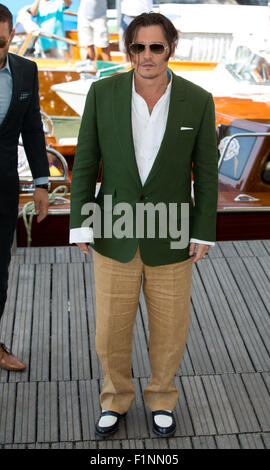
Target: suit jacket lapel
[[176, 115], [17, 74], [122, 117]]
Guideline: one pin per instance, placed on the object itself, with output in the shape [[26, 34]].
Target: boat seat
[[244, 148], [57, 165], [68, 141]]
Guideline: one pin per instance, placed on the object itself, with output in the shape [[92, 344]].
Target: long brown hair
[[150, 19]]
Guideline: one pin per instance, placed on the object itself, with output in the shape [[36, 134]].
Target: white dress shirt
[[148, 131]]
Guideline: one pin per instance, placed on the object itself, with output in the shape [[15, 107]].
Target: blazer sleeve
[[86, 162], [33, 134], [205, 172]]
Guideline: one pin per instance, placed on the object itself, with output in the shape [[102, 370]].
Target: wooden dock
[[224, 378]]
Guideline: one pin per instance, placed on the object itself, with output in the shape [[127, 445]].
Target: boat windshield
[[27, 45], [112, 3], [19, 41], [248, 64]]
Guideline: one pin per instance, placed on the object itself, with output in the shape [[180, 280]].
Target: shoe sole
[[107, 434], [11, 369], [160, 434]]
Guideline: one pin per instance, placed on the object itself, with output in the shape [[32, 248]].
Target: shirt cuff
[[81, 235], [195, 240], [85, 235], [41, 180]]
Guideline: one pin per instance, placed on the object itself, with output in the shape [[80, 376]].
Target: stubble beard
[[154, 74], [147, 77], [3, 59]]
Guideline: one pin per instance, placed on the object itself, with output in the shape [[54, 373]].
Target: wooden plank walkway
[[224, 378]]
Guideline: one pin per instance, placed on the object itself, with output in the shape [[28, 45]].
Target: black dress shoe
[[165, 431], [104, 431]]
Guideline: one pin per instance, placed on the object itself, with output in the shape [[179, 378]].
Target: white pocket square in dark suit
[[186, 128], [24, 95]]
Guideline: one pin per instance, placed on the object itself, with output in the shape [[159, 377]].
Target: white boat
[[208, 27], [243, 74], [74, 93]]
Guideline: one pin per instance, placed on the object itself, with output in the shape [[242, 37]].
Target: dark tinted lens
[[3, 42], [137, 48], [157, 48]]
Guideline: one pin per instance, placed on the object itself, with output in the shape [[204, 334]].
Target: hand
[[83, 247], [202, 250], [41, 201]]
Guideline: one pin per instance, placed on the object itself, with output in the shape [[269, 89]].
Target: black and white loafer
[[108, 423], [164, 424]]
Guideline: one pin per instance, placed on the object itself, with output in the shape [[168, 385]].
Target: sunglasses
[[155, 48]]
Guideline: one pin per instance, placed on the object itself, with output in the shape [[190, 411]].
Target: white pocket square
[[186, 129], [24, 95]]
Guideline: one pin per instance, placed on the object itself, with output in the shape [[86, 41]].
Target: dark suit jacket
[[23, 117], [106, 131]]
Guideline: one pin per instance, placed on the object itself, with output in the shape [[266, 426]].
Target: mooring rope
[[28, 210]]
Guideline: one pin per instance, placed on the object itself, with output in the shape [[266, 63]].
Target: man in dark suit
[[152, 129], [19, 114]]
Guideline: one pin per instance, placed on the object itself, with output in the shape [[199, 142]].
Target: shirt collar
[[6, 67]]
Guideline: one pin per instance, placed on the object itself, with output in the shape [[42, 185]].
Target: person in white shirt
[[152, 129], [129, 10], [93, 29]]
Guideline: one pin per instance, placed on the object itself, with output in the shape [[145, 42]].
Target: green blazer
[[106, 132]]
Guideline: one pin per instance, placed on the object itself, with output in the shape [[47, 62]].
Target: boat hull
[[50, 102], [54, 230]]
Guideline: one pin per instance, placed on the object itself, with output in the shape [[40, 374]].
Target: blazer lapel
[[122, 117], [17, 74], [176, 115]]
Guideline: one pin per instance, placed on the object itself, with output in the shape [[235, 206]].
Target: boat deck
[[224, 378]]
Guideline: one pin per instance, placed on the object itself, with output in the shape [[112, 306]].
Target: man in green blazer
[[152, 130]]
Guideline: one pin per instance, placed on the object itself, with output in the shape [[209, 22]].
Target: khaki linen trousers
[[167, 295]]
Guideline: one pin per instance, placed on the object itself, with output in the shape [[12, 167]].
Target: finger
[[195, 257], [201, 252], [37, 206], [41, 216], [83, 247], [192, 249], [41, 202], [42, 213], [42, 210]]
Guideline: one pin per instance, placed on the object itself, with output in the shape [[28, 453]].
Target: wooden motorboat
[[55, 70], [52, 70], [54, 230], [244, 190], [74, 92], [244, 181], [244, 168]]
